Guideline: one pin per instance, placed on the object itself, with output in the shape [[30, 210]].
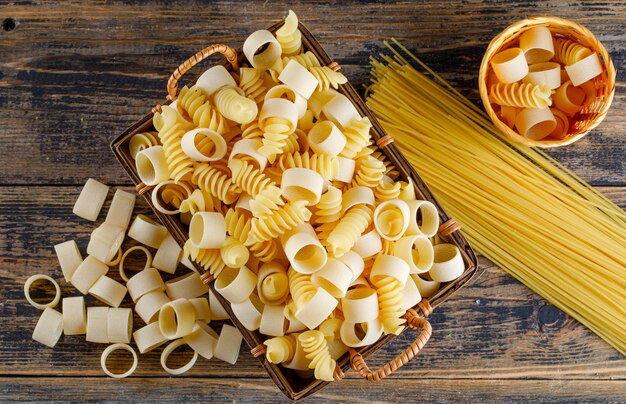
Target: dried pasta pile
[[523, 78], [304, 225], [177, 310], [519, 208]]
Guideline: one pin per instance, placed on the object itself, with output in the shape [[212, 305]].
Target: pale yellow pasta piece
[[202, 340], [49, 327], [108, 290], [448, 263], [289, 36], [234, 253], [141, 141], [168, 255], [202, 308], [127, 253], [149, 337], [105, 241], [187, 286], [249, 312], [144, 282], [88, 273], [354, 222], [170, 134], [74, 315], [279, 222], [369, 172], [272, 284], [116, 347], [90, 200], [97, 327], [209, 259], [121, 209], [509, 65], [522, 95], [235, 106], [314, 344], [167, 351], [335, 277], [57, 291], [215, 182], [119, 325], [392, 218], [177, 318], [389, 275], [331, 329], [236, 284], [147, 231], [280, 349], [261, 49], [228, 344], [569, 52], [371, 331], [149, 305], [69, 258]]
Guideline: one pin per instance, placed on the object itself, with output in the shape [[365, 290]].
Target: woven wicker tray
[[287, 381]]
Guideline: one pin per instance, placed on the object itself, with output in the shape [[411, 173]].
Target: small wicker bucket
[[582, 122]]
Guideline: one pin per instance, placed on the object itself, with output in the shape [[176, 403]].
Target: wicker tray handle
[[227, 51], [414, 320]]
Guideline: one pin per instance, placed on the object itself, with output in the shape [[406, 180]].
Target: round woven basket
[[585, 120]]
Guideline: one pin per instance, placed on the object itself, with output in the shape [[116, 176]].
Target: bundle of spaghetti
[[518, 207]]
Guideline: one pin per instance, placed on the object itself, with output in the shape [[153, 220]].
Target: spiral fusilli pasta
[[276, 130], [386, 191], [194, 103], [328, 213], [314, 344], [201, 201], [349, 229], [273, 287], [357, 137], [325, 165], [524, 95], [252, 83], [235, 106], [569, 52], [265, 203], [289, 36], [209, 259], [234, 253], [278, 222], [251, 130], [215, 182], [327, 78], [280, 349], [265, 251], [300, 287], [389, 292], [141, 141], [369, 172], [172, 130], [250, 179]]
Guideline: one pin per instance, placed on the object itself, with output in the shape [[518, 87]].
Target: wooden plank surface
[[75, 74]]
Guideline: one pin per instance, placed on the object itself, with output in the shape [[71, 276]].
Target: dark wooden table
[[75, 74]]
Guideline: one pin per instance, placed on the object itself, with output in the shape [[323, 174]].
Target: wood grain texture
[[73, 75], [393, 390], [79, 73]]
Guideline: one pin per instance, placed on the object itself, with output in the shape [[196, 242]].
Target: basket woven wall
[[585, 120]]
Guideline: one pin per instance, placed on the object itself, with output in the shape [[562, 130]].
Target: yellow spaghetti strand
[[519, 207]]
